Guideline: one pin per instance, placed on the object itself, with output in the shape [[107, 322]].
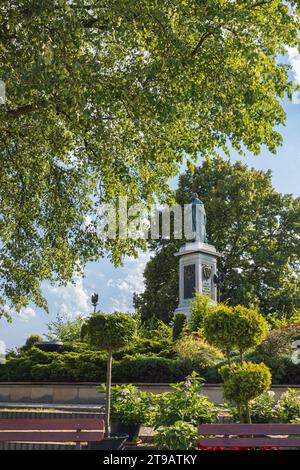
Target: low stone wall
[[88, 393]]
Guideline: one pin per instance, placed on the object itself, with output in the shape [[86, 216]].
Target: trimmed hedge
[[90, 366]]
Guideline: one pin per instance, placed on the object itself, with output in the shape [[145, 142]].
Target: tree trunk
[[241, 356], [107, 397], [228, 356], [248, 416]]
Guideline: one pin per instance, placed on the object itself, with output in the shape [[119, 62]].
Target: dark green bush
[[154, 369], [178, 325], [36, 365], [144, 346], [110, 331], [143, 369], [88, 365], [284, 371]]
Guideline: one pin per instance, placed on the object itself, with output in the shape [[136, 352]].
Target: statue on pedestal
[[198, 226]]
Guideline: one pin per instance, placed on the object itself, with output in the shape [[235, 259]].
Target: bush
[[201, 306], [191, 346], [244, 382], [250, 329], [128, 404], [151, 369], [219, 326], [37, 365], [186, 403], [178, 326], [145, 346], [238, 327], [287, 409], [279, 342], [262, 408], [111, 332], [180, 436], [284, 371], [31, 341]]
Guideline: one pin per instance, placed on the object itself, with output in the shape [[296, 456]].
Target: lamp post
[[219, 282], [95, 301]]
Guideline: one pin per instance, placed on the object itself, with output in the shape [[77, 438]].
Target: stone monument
[[197, 261]]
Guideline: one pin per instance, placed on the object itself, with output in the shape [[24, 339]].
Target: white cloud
[[72, 299], [120, 304], [26, 313], [132, 280], [294, 60]]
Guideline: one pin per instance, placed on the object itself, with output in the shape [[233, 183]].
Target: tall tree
[[255, 228], [105, 98]]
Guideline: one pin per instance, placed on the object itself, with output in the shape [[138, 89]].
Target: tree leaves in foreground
[[105, 98], [255, 228]]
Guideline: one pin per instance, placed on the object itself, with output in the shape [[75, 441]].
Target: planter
[[132, 429], [114, 442], [49, 346]]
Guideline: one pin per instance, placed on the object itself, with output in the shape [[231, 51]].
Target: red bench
[[52, 430], [248, 436]]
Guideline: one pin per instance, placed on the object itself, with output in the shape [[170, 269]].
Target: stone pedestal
[[197, 266]]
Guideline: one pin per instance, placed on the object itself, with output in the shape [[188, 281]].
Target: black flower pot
[[49, 346], [114, 442], [131, 429]]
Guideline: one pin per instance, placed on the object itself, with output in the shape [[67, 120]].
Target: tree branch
[[26, 109], [200, 43], [263, 2]]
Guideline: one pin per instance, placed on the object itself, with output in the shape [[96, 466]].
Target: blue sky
[[116, 286]]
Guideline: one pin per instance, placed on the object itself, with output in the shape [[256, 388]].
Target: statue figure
[[198, 212]]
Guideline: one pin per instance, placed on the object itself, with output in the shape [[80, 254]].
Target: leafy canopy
[[234, 327], [111, 331], [105, 98], [244, 382]]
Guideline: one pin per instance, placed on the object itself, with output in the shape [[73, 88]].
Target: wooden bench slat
[[248, 442], [256, 429], [50, 424], [59, 436]]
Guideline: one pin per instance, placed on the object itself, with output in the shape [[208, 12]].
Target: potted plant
[[129, 409], [110, 332]]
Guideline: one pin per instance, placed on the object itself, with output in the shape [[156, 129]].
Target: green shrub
[[250, 329], [201, 306], [180, 436], [262, 408], [186, 403], [144, 346], [287, 409], [284, 371], [234, 327], [37, 365], [179, 324], [278, 342], [244, 382], [112, 331], [31, 340], [219, 326], [128, 404], [191, 346], [145, 369]]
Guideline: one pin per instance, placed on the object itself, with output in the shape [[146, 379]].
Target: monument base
[[197, 267]]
